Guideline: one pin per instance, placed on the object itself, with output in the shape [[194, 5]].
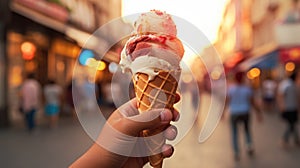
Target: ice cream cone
[[154, 146], [157, 93]]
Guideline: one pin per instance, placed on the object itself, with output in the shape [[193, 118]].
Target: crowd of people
[[280, 98], [55, 100], [32, 95]]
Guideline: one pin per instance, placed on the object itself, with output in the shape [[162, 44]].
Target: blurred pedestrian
[[269, 87], [53, 98], [288, 101], [89, 95], [240, 100], [30, 100]]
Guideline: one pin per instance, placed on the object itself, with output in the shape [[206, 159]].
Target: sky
[[204, 14]]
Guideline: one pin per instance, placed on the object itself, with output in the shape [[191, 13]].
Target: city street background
[[59, 147], [77, 45]]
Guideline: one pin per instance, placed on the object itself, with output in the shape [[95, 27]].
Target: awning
[[267, 61]]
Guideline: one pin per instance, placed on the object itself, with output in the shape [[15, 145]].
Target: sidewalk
[[45, 148]]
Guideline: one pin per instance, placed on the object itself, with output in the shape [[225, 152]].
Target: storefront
[[34, 48], [46, 38]]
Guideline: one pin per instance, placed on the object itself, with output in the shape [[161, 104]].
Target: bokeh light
[[290, 66], [85, 55], [93, 63], [112, 67], [101, 65], [253, 73], [216, 74], [28, 50]]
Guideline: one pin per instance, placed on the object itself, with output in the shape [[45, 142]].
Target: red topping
[[131, 47], [158, 12], [144, 44]]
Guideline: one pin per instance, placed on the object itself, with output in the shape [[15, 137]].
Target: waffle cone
[[157, 93]]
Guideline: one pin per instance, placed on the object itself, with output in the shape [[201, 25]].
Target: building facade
[[46, 37], [258, 30]]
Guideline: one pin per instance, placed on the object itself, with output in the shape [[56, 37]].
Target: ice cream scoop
[[155, 21], [154, 39]]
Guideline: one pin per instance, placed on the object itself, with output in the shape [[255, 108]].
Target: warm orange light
[[28, 50], [295, 54], [75, 51], [290, 66], [27, 47], [28, 56], [253, 73], [16, 76], [60, 66], [30, 66]]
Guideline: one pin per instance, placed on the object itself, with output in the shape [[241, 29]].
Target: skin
[[128, 121]]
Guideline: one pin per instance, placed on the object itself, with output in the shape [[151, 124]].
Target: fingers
[[129, 109], [171, 132], [176, 115], [177, 97], [167, 150], [148, 120], [132, 122]]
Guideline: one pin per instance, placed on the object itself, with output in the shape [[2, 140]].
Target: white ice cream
[[147, 64], [155, 21]]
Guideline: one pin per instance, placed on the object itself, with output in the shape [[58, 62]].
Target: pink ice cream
[[154, 45]]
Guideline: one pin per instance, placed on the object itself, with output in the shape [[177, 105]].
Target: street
[[58, 148]]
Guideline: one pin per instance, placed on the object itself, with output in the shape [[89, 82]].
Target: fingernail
[[165, 116], [174, 131]]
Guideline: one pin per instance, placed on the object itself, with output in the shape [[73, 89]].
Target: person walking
[[53, 97], [269, 87], [288, 101], [30, 96], [240, 100]]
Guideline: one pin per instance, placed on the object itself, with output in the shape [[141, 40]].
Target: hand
[[119, 141]]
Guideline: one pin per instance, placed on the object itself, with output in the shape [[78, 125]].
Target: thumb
[[147, 120]]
